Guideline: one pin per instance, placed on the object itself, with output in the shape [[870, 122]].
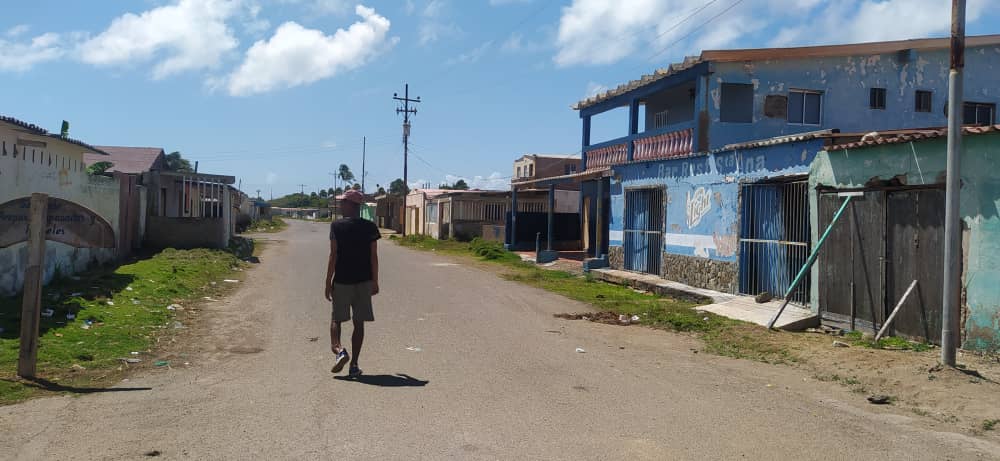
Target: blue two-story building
[[708, 185]]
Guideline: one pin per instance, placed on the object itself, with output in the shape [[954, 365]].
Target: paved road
[[495, 377]]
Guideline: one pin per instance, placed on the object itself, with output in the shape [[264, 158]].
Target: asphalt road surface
[[459, 364]]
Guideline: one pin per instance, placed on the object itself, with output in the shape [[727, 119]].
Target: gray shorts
[[355, 297]]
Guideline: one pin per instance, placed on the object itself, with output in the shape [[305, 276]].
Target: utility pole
[[953, 184], [258, 193], [364, 143], [406, 111], [303, 187], [334, 180]]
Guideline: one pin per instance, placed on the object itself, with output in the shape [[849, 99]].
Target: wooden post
[[33, 276]]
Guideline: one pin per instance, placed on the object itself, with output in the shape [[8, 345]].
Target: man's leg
[[335, 345], [357, 338]]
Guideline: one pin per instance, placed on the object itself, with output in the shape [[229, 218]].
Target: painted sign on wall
[[698, 205], [68, 223]]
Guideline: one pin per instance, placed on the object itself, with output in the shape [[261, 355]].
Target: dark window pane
[[876, 98], [969, 114], [923, 101], [984, 114], [794, 107], [737, 103], [813, 106]]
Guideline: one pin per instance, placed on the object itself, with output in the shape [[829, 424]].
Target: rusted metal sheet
[[68, 223]]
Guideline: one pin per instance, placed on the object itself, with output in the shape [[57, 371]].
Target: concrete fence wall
[[163, 232]]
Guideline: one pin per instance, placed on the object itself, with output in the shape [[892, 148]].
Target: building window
[[518, 172], [805, 107], [660, 119], [531, 170], [569, 168], [977, 113], [923, 101], [737, 103], [876, 98]]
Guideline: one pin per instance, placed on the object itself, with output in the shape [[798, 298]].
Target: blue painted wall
[[845, 83], [702, 194]]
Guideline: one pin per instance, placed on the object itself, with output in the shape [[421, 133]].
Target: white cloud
[[849, 21], [433, 26], [295, 55], [594, 88], [18, 30], [409, 6], [493, 181], [321, 7], [507, 2], [22, 56], [183, 36], [472, 55], [598, 32]]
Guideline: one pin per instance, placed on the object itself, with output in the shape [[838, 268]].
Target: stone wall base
[[616, 257], [701, 272]]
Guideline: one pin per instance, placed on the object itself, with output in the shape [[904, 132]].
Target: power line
[[692, 32]]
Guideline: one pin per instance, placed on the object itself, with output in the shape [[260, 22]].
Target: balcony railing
[[606, 156], [667, 145], [674, 141]]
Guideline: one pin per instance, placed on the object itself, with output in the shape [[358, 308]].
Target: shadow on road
[[397, 380], [56, 387]]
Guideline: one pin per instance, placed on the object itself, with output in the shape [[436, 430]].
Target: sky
[[280, 92]]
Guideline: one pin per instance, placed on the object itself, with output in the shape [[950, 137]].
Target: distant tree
[[381, 190], [398, 187], [330, 192], [356, 186], [99, 168], [64, 131], [323, 193], [459, 185], [175, 162], [345, 174], [338, 191], [313, 195]]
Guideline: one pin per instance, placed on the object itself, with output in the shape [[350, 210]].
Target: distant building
[[535, 166]]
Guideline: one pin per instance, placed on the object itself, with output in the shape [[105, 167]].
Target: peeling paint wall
[[845, 83], [54, 167], [923, 162], [703, 195]]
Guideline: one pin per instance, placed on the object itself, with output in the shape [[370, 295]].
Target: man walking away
[[351, 277]]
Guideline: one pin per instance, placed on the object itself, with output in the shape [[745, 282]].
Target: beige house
[[34, 160]]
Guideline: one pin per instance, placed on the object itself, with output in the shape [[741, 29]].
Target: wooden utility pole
[[34, 274]]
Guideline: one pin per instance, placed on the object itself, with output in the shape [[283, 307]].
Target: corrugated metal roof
[[797, 137], [37, 130], [132, 160], [658, 74], [803, 52], [902, 136]]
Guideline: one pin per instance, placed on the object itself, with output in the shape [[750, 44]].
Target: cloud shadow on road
[[397, 380], [56, 387]]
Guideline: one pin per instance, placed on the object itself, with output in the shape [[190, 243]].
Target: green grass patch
[[858, 338], [722, 336], [268, 226], [102, 316], [990, 424]]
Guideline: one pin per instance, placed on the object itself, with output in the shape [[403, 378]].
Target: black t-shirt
[[354, 237]]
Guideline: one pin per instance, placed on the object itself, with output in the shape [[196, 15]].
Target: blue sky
[[280, 92]]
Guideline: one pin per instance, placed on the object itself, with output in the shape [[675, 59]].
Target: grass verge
[[721, 335], [99, 318], [890, 342], [268, 226]]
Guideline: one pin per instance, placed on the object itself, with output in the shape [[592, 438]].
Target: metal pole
[[364, 143], [892, 316], [552, 215], [599, 252], [809, 262], [952, 232]]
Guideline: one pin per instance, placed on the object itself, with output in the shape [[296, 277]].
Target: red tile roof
[[901, 136], [132, 160]]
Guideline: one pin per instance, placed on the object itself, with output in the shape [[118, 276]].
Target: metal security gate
[[643, 226], [774, 238]]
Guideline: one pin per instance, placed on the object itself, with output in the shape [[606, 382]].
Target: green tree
[[459, 185], [99, 168], [345, 174], [381, 190], [330, 192], [356, 186], [398, 187], [175, 162], [323, 193]]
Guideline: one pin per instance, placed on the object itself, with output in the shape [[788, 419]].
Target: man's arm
[[330, 269], [375, 288]]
